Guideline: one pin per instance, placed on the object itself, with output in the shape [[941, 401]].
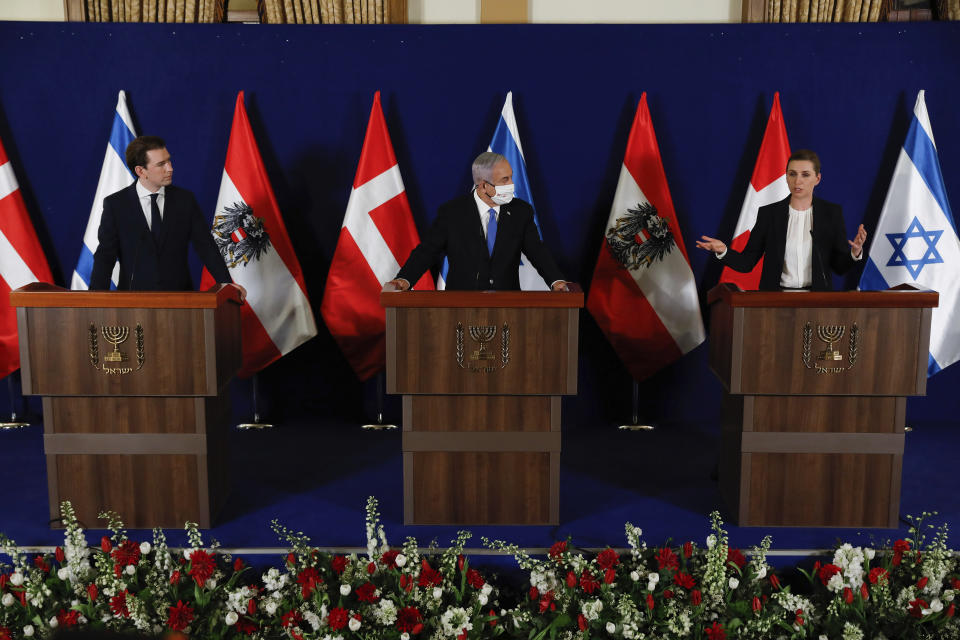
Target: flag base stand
[[257, 424], [635, 425], [380, 424], [13, 424]]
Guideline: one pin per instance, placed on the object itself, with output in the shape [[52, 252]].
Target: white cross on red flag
[[768, 185], [377, 236], [21, 260], [255, 245]]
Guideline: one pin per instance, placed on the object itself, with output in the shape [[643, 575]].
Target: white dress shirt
[[144, 196], [798, 254]]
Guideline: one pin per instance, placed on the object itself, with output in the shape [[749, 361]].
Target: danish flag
[[377, 236]]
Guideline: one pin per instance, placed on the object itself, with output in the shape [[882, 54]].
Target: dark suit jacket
[[146, 265], [769, 238], [458, 233]]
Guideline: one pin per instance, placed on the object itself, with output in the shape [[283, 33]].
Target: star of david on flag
[[916, 240]]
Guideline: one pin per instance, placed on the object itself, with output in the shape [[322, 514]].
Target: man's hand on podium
[[560, 285], [400, 284]]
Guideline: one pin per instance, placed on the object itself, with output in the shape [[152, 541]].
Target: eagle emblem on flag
[[641, 236], [240, 235]]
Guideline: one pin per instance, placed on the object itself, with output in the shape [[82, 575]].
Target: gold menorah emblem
[[830, 334], [483, 334], [115, 335]]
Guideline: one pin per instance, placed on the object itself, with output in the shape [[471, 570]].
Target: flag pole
[[379, 425], [257, 423], [14, 422], [635, 425]]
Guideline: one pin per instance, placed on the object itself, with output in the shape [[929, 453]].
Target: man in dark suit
[[148, 225], [799, 237], [483, 234]]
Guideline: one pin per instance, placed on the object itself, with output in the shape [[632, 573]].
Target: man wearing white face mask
[[483, 234]]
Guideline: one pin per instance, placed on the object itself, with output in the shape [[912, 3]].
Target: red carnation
[[546, 602], [899, 548], [291, 618], [474, 579], [587, 582], [118, 604], [308, 579], [5, 634], [40, 564], [667, 559], [799, 619], [715, 632], [582, 622], [127, 553], [68, 618], [338, 619], [608, 559], [339, 563], [955, 583], [493, 618], [916, 607], [408, 619], [367, 592], [429, 577], [180, 616], [202, 566], [557, 549], [175, 577], [685, 580], [668, 594], [878, 575], [389, 559], [246, 626], [696, 597], [827, 571], [4, 578], [734, 556]]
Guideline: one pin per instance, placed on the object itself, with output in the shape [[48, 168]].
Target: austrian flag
[[643, 295]]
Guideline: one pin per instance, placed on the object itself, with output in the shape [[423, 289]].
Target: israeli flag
[[916, 238], [506, 142], [113, 176]]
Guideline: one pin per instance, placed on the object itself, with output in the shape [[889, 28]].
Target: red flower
[[696, 597], [848, 595], [799, 619], [367, 592], [650, 601], [429, 577], [667, 559], [756, 604], [105, 544], [582, 622], [291, 559], [389, 559], [827, 571], [557, 549], [534, 593], [180, 616], [338, 619], [668, 594], [735, 557], [950, 610], [3, 581], [864, 593], [546, 602], [117, 570], [292, 618], [308, 579], [775, 581], [715, 632], [251, 607], [202, 566], [339, 563], [408, 619], [684, 580], [175, 577], [245, 626], [687, 549], [371, 568], [92, 592], [127, 553], [59, 555], [955, 583], [878, 575], [474, 579], [68, 618], [118, 604], [493, 618], [40, 564], [406, 582], [587, 582], [899, 548], [922, 582], [608, 559], [238, 564], [609, 576], [916, 606], [5, 634], [571, 579]]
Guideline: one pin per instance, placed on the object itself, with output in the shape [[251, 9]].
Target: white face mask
[[504, 193]]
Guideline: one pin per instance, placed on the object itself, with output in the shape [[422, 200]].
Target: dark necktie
[[155, 221], [491, 230]]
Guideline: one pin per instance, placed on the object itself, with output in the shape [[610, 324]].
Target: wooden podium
[[481, 374], [814, 401], [135, 400]]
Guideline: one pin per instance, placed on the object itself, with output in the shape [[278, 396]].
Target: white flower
[[344, 589], [437, 593], [271, 607], [761, 573], [63, 573], [130, 570], [354, 624], [611, 628], [54, 623], [870, 553], [404, 635], [734, 583], [852, 632], [28, 630], [653, 578], [634, 576], [231, 618], [455, 621], [711, 540], [835, 584], [186, 553], [482, 599], [935, 607], [210, 584], [823, 636], [401, 560], [8, 600], [486, 589], [16, 579], [948, 595]]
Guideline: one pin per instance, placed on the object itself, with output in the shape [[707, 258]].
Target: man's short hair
[[808, 155], [137, 150], [483, 166]]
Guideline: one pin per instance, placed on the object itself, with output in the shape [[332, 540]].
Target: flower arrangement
[[712, 592]]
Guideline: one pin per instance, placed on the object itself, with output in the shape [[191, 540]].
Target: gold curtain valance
[[333, 11], [145, 10]]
